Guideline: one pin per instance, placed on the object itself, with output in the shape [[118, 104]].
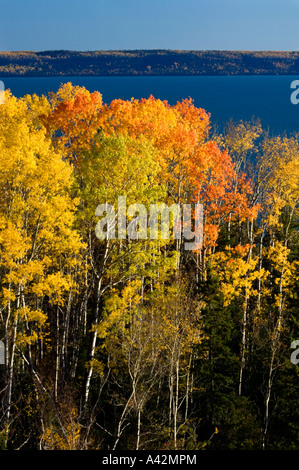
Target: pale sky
[[149, 24]]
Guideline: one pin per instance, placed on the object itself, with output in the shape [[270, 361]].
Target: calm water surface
[[225, 98]]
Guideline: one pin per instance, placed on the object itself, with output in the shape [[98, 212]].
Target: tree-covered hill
[[148, 62]]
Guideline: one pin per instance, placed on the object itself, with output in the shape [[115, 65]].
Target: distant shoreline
[[147, 63]]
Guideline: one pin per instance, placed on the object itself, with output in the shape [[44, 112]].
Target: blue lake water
[[224, 97]]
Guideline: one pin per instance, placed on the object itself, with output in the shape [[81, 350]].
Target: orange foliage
[[192, 166]]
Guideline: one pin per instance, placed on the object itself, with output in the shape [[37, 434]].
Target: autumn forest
[[139, 343]]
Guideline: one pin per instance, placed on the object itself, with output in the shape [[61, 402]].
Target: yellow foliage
[[237, 272], [64, 437], [39, 248]]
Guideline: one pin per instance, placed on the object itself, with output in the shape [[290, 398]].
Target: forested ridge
[[147, 62], [138, 343]]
